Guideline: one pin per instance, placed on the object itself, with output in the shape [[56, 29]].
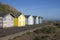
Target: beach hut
[[6, 20], [29, 20], [40, 20], [19, 20], [36, 19]]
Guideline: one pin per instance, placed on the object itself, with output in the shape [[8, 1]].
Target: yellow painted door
[[16, 22]]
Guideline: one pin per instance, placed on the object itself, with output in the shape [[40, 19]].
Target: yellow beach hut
[[19, 20]]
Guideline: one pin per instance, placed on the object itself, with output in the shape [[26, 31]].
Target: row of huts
[[18, 20]]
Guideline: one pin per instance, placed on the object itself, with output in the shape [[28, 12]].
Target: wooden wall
[[1, 22]]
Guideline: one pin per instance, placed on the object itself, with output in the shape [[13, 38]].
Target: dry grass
[[47, 33]]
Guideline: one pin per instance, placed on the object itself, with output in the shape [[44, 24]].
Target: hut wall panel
[[8, 21], [30, 20], [40, 20], [37, 22], [1, 22], [21, 20]]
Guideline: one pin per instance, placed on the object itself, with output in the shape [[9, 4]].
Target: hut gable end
[[8, 21]]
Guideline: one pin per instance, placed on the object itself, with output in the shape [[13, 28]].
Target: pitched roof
[[26, 16], [35, 16], [15, 14], [2, 14], [12, 14], [41, 17]]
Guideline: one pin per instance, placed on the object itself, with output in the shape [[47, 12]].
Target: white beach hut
[[6, 20], [29, 19], [36, 19], [40, 20]]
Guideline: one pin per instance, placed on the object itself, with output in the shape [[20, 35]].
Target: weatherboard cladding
[[29, 19], [1, 22], [8, 21], [34, 19]]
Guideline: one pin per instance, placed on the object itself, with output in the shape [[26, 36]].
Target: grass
[[57, 24], [48, 33], [45, 33]]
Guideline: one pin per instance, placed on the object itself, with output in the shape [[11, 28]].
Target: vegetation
[[49, 29], [49, 33], [45, 33], [6, 8], [57, 24]]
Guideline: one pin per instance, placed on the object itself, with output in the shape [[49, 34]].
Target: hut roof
[[35, 16], [40, 17], [26, 16], [12, 14], [2, 14], [15, 14]]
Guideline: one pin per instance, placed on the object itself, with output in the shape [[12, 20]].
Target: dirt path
[[14, 31]]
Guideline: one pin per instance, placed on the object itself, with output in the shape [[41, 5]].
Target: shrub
[[41, 37], [37, 38], [57, 24], [50, 29], [37, 31]]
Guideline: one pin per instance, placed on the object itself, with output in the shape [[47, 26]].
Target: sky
[[48, 9]]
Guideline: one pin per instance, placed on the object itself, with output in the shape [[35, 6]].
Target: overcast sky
[[49, 9]]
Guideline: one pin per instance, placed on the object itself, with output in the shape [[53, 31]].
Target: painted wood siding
[[34, 20], [8, 21], [37, 22], [1, 22], [26, 21], [21, 20], [40, 20], [30, 20], [15, 22]]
